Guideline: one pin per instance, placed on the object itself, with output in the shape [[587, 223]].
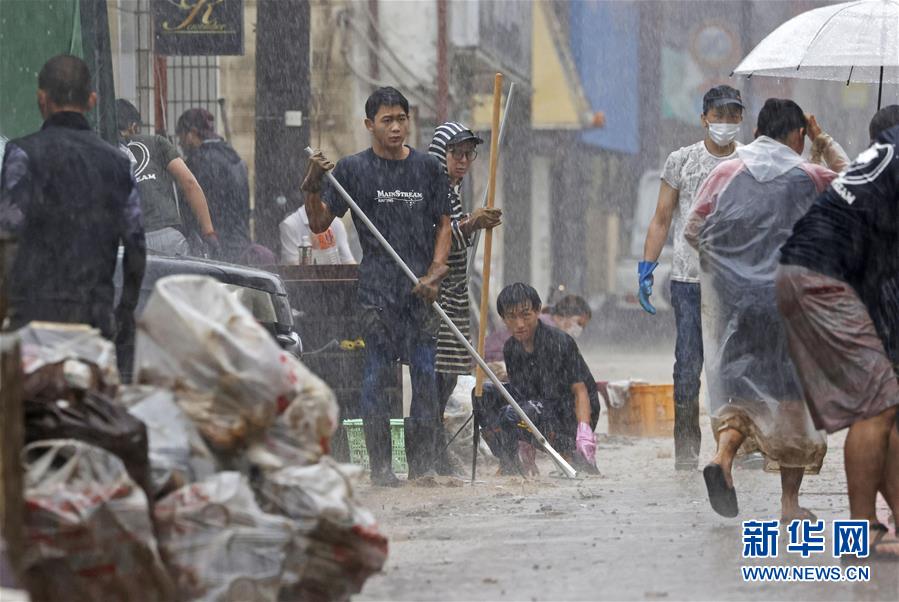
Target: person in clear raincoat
[[742, 215]]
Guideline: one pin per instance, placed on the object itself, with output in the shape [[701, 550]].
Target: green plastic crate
[[356, 442]]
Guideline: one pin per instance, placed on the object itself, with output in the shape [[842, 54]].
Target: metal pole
[[535, 432], [502, 133], [475, 443], [880, 88], [453, 438]]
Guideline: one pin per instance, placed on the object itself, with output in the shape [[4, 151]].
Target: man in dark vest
[[70, 199]]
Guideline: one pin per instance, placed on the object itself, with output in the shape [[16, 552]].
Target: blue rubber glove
[[645, 281]]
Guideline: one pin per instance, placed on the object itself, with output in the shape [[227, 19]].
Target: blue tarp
[[605, 44]]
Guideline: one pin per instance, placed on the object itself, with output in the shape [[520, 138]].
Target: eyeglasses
[[459, 154]]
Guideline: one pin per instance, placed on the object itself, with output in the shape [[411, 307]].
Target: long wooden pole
[[475, 240], [488, 237]]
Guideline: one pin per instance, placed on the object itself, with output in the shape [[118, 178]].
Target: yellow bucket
[[649, 412]]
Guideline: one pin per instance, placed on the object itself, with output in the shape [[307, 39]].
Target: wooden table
[[324, 301]]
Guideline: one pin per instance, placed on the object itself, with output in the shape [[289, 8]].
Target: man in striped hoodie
[[455, 146]]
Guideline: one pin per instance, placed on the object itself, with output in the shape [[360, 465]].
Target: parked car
[[624, 296], [262, 292]]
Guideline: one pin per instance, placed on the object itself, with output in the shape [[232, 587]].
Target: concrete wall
[[237, 85], [336, 112], [342, 75]]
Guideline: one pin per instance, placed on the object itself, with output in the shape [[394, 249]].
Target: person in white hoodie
[[742, 215]]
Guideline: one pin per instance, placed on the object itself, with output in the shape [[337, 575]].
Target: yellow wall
[[554, 103]]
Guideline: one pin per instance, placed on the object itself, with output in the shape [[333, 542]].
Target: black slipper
[[875, 554], [722, 498], [876, 533]]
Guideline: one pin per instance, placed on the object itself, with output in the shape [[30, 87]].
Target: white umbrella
[[852, 42]]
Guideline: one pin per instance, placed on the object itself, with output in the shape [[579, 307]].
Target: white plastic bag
[[311, 418], [337, 545], [620, 391], [218, 544], [88, 526], [177, 453], [229, 375], [281, 447], [48, 343]]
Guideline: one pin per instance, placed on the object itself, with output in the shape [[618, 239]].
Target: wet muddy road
[[640, 531]]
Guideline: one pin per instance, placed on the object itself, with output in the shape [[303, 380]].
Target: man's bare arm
[[581, 402], [428, 285], [320, 217], [193, 192], [657, 233]]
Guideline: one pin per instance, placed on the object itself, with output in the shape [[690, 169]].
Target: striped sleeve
[[460, 241]]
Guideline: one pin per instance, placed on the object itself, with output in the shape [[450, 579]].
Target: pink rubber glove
[[586, 442], [528, 456]]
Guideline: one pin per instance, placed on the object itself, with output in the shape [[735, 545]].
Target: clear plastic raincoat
[[742, 215]]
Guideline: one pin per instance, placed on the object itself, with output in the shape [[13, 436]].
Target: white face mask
[[575, 330], [723, 134]]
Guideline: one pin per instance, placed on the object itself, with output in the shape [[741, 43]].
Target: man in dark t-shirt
[[838, 292], [157, 168], [548, 378], [406, 196]]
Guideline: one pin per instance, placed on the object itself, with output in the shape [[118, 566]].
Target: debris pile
[[208, 479]]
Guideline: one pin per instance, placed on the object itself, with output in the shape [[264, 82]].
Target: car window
[[258, 302], [283, 310]]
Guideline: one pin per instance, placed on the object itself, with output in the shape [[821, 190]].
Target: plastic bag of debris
[[178, 455], [337, 545], [458, 410], [228, 374], [57, 358], [96, 420], [301, 435], [279, 448], [218, 544], [88, 529], [312, 416]]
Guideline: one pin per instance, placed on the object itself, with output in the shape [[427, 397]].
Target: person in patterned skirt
[[456, 147]]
